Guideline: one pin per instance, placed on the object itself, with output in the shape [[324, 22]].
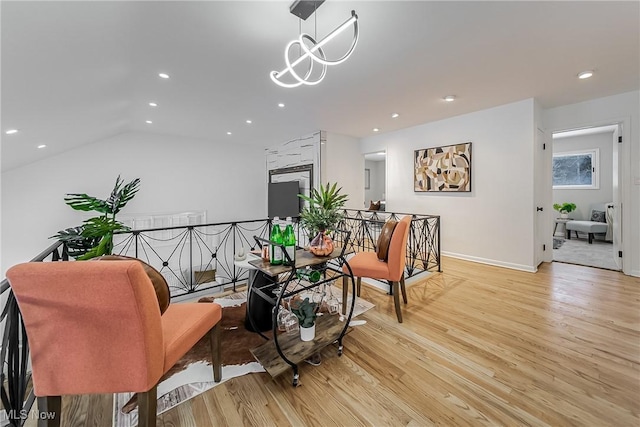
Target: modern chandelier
[[311, 50]]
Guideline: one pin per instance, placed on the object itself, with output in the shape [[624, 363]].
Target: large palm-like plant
[[95, 236], [324, 210]]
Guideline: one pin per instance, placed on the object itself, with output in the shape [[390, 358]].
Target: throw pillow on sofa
[[598, 216]]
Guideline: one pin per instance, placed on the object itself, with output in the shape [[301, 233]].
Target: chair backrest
[[398, 248], [93, 327]]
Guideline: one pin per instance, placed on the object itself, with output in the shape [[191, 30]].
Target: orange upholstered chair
[[367, 264], [95, 327]]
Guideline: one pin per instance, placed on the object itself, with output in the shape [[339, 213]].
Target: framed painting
[[442, 169]]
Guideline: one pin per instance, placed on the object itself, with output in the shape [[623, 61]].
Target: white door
[[617, 207], [540, 188]]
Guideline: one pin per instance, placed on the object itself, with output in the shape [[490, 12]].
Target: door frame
[[624, 175]]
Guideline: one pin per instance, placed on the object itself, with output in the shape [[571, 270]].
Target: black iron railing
[[196, 258]]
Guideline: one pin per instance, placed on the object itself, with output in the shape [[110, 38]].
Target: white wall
[[583, 198], [492, 223], [342, 162], [623, 108], [177, 174], [377, 182]]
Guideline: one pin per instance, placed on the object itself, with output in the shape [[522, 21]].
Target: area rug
[[193, 374], [578, 251]]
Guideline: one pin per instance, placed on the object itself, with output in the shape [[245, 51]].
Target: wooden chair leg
[[403, 289], [50, 411], [147, 407], [358, 285], [216, 353], [396, 300]]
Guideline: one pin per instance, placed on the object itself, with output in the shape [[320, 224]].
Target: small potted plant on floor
[[565, 209], [305, 311]]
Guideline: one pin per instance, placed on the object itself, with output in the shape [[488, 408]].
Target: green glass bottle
[[275, 257], [309, 275], [289, 244]]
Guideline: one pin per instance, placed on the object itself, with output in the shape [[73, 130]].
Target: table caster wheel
[[339, 350], [296, 380]]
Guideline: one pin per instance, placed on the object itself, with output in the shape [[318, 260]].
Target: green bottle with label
[[289, 243], [309, 274], [275, 257]]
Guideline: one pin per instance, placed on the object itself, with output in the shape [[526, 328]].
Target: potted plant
[[94, 237], [305, 311], [565, 209], [322, 215]]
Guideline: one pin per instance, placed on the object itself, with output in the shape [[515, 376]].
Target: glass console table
[[287, 350]]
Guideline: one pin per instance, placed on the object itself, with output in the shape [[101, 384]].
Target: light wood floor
[[479, 345]]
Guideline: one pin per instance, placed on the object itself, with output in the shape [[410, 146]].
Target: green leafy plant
[[324, 210], [305, 311], [95, 236], [565, 207]]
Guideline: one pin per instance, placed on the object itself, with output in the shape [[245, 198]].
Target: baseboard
[[512, 266], [635, 273]]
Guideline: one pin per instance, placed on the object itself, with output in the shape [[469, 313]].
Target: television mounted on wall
[[283, 200]]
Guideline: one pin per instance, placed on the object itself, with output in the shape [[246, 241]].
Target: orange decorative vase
[[321, 245]]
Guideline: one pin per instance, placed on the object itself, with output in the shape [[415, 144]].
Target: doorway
[[375, 180], [585, 176]]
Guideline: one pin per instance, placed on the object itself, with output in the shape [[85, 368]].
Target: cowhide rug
[[193, 374]]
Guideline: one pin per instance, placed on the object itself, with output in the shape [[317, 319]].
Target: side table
[[563, 222]]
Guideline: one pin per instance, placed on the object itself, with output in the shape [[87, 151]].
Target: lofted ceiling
[[76, 72]]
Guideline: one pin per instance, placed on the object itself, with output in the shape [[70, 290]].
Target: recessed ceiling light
[[228, 133], [148, 122], [163, 75], [281, 105], [249, 122], [449, 98], [42, 146], [11, 131], [585, 74], [153, 104], [376, 129], [394, 115]]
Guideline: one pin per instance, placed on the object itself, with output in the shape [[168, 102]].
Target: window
[[576, 170]]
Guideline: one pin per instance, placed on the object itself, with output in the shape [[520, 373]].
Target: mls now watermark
[[23, 414]]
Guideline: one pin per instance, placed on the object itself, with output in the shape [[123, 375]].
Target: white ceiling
[[78, 72]]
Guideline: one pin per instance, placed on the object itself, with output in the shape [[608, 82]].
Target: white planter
[[564, 215], [308, 334]]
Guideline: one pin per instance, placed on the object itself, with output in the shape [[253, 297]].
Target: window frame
[[595, 169]]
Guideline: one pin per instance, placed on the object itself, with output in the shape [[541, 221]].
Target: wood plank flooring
[[480, 345]]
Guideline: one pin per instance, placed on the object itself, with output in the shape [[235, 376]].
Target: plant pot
[[321, 245], [308, 334], [564, 215]]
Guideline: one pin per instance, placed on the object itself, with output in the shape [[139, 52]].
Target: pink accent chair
[[367, 264], [95, 327]]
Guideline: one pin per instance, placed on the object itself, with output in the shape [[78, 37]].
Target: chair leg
[[50, 411], [590, 238], [147, 407], [396, 300], [216, 354], [403, 289], [358, 285]]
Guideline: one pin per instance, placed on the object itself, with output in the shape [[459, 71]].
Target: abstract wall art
[[441, 169]]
